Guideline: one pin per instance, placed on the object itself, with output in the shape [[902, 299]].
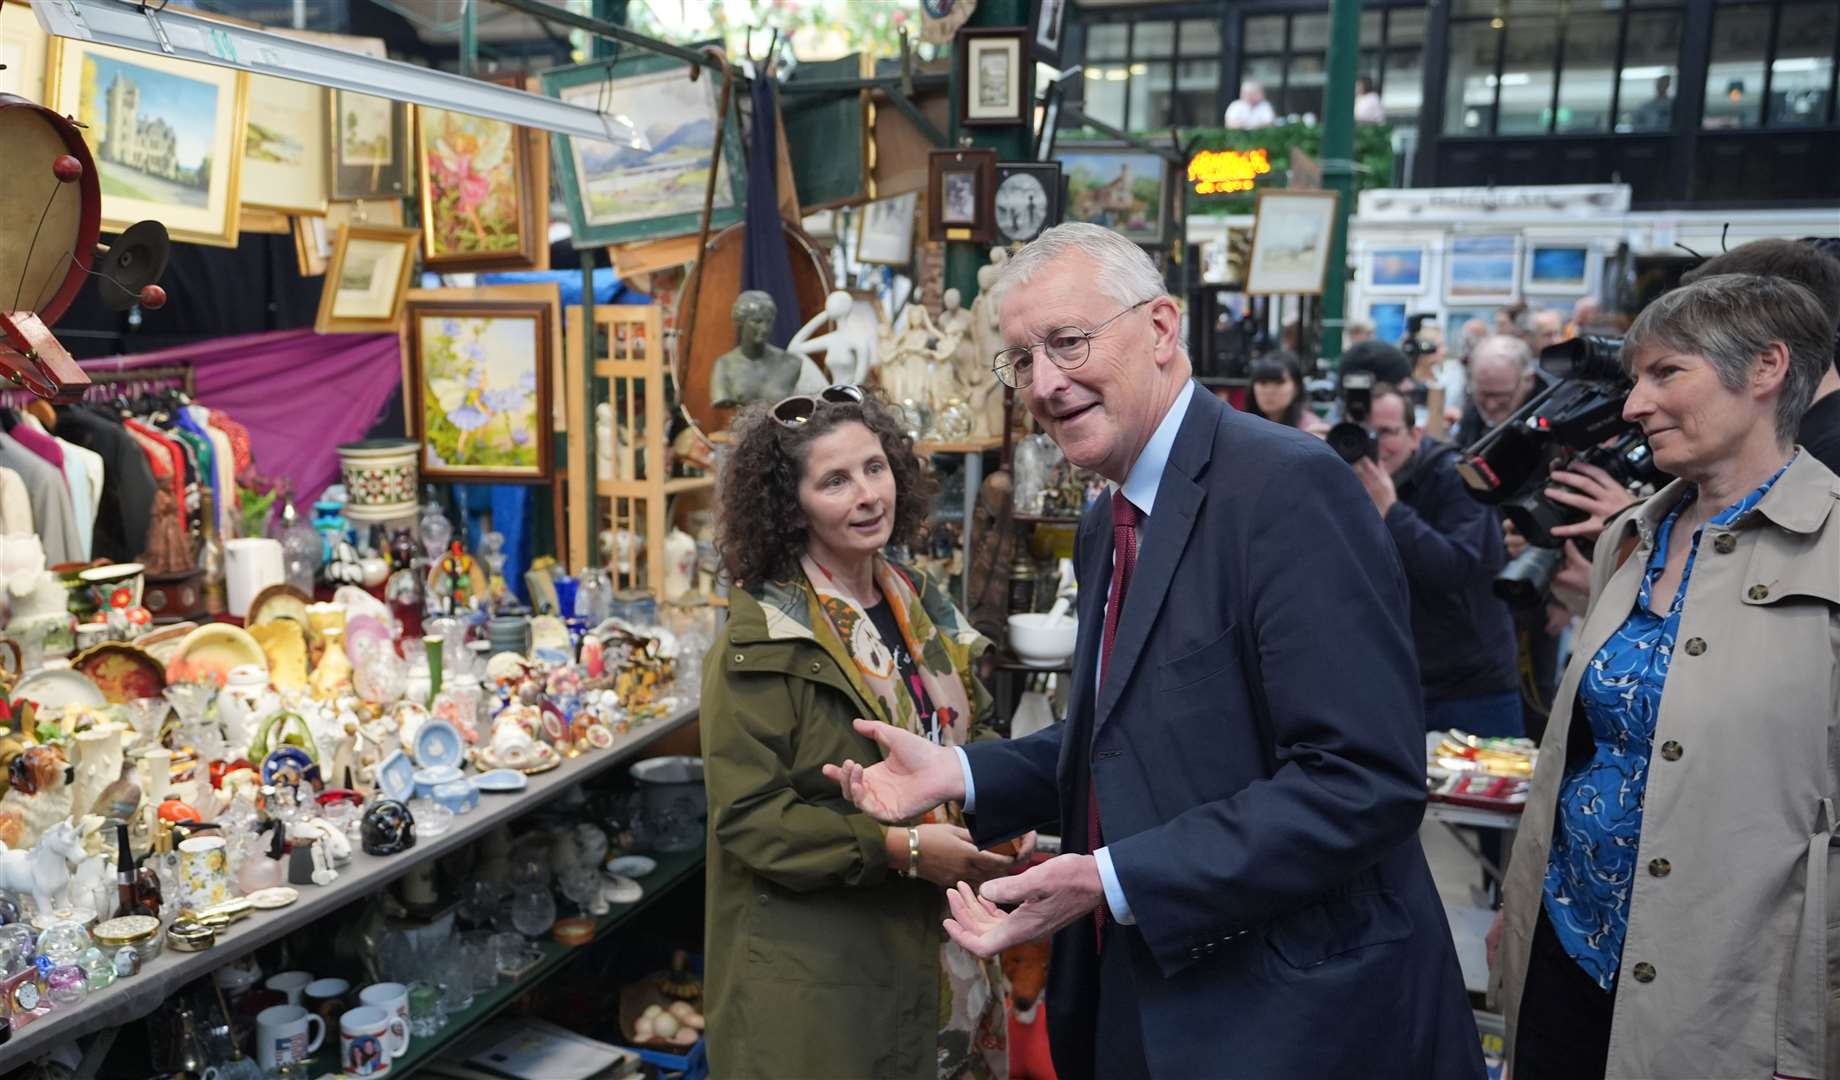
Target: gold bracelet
[[913, 852]]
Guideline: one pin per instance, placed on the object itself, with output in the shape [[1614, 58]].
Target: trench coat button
[[1760, 592], [739, 658], [1644, 972], [816, 666], [1725, 543], [1695, 646], [762, 898], [1670, 750], [1660, 867]]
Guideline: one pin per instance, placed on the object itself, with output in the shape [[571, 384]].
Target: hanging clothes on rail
[[52, 516], [124, 508]]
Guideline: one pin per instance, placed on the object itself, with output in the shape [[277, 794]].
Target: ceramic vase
[[380, 479], [99, 758]]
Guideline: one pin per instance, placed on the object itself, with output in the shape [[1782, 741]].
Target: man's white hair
[[1124, 271]]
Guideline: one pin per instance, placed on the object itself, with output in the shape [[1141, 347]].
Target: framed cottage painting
[[284, 153], [651, 186], [480, 210], [370, 147], [479, 388], [167, 136], [1116, 186]]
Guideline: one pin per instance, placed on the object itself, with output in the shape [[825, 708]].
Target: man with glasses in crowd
[[1240, 779]]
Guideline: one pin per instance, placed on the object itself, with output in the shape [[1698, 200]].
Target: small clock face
[[1022, 206]]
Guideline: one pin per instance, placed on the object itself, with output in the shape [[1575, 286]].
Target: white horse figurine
[[44, 871]]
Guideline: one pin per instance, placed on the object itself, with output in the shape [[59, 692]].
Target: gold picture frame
[[285, 146], [142, 115], [507, 227], [367, 279]]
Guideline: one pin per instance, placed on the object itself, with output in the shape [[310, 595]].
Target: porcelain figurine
[[44, 871], [987, 392], [99, 761], [40, 791], [849, 350]]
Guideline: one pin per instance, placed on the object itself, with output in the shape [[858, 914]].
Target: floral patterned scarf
[[973, 1023]]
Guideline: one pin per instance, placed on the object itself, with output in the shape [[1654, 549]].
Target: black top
[[882, 615], [127, 481], [1820, 431]]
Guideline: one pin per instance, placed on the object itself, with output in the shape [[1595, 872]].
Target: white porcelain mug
[[282, 1036], [289, 984], [368, 1041], [393, 999]]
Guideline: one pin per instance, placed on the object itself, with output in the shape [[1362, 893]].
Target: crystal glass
[[508, 952], [431, 818], [145, 715], [427, 1010], [454, 972], [578, 884], [190, 701], [98, 968], [64, 943], [594, 597], [481, 958], [435, 530], [17, 944], [533, 910]]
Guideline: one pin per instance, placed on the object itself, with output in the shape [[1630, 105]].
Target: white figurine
[[849, 351], [987, 391], [44, 871]]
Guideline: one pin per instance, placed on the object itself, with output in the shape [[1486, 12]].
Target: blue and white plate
[[288, 765], [438, 743], [396, 777], [501, 780]]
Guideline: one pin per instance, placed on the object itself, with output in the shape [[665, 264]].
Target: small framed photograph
[[997, 74], [1395, 270], [1557, 268], [1482, 269], [1291, 231], [885, 230], [959, 189], [1028, 199], [1050, 18], [366, 279]]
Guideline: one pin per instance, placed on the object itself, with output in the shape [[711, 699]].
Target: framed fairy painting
[[479, 388], [480, 209]]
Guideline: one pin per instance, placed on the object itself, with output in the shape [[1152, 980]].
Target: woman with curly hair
[[826, 951]]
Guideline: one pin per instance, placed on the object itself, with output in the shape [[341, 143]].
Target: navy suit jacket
[[1258, 753]]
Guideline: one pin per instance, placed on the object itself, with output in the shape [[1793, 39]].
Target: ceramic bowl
[[501, 780], [458, 796], [396, 777], [1040, 645], [426, 780]]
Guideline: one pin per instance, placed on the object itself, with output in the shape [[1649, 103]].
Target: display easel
[[628, 353]]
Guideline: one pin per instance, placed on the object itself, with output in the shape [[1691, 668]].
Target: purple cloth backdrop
[[299, 393]]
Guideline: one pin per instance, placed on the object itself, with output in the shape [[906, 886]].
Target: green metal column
[[1338, 161], [469, 37], [1010, 143]]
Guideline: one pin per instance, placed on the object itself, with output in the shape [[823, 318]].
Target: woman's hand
[[1592, 490], [947, 856]]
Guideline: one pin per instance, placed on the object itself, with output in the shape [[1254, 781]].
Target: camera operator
[[1451, 547]]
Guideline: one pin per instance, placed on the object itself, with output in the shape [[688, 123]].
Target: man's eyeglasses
[[797, 410], [1067, 346]]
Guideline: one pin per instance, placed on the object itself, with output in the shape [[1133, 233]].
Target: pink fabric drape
[[299, 393]]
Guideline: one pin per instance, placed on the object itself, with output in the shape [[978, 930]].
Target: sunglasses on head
[[798, 409]]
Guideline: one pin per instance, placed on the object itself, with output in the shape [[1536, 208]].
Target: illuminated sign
[[1217, 172]]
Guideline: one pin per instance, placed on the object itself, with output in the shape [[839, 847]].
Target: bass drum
[[714, 334]]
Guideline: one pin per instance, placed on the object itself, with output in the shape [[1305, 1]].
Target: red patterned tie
[[1124, 548]]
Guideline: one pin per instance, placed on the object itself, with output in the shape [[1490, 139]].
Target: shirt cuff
[[964, 766], [1114, 892]]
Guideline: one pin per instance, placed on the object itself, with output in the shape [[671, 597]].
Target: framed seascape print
[[167, 136], [1395, 270], [653, 186], [479, 205], [885, 230], [959, 188], [370, 147], [996, 77], [284, 152], [479, 388], [1028, 199], [1123, 189], [1291, 231], [1389, 321], [1454, 319], [366, 279], [1561, 268], [1481, 269], [1050, 18]]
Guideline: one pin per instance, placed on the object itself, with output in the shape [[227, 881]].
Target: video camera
[[1350, 439], [1578, 418]]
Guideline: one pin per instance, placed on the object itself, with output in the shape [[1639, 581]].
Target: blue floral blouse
[[1599, 821]]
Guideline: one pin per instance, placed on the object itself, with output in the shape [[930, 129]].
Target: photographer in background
[[1451, 547], [1502, 376]]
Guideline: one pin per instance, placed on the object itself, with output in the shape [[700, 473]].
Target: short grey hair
[[1513, 349], [1125, 272], [1731, 318]]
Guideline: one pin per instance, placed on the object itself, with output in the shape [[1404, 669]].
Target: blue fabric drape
[[766, 265]]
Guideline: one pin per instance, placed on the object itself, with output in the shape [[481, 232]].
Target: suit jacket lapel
[[1094, 576]]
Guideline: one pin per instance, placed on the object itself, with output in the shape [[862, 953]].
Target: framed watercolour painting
[[1563, 268], [996, 76], [1291, 231], [1395, 269], [1481, 269], [1121, 188], [651, 187], [885, 230], [479, 206], [284, 153], [167, 136], [370, 147], [479, 388], [959, 188], [366, 279]]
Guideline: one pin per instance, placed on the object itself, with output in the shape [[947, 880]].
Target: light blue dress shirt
[[1140, 487]]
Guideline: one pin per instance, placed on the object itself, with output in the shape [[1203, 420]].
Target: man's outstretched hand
[[1056, 893], [914, 775]]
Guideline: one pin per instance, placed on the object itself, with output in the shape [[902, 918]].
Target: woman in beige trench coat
[[1666, 909]]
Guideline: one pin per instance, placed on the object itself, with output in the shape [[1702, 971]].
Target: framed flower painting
[[479, 388]]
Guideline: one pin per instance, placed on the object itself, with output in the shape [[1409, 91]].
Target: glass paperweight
[[64, 943], [97, 967], [66, 984], [431, 818]]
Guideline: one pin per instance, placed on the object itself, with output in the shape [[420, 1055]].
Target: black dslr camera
[[1579, 417], [1350, 438]]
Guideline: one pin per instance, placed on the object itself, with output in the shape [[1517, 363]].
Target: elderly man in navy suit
[[1240, 780]]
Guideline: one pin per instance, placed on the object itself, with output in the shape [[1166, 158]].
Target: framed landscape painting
[[479, 210], [366, 279], [650, 186], [1395, 269], [370, 147], [479, 388], [1291, 233], [1118, 187], [1482, 269], [167, 136], [284, 152]]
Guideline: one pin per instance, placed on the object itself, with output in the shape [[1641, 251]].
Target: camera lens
[[1524, 581], [1351, 442]]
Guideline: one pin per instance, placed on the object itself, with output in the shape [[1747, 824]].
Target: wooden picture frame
[[674, 113], [1027, 199], [366, 279], [996, 77], [134, 124], [959, 186], [466, 227], [370, 149], [1291, 234], [284, 152], [478, 388], [1118, 186], [885, 230]]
